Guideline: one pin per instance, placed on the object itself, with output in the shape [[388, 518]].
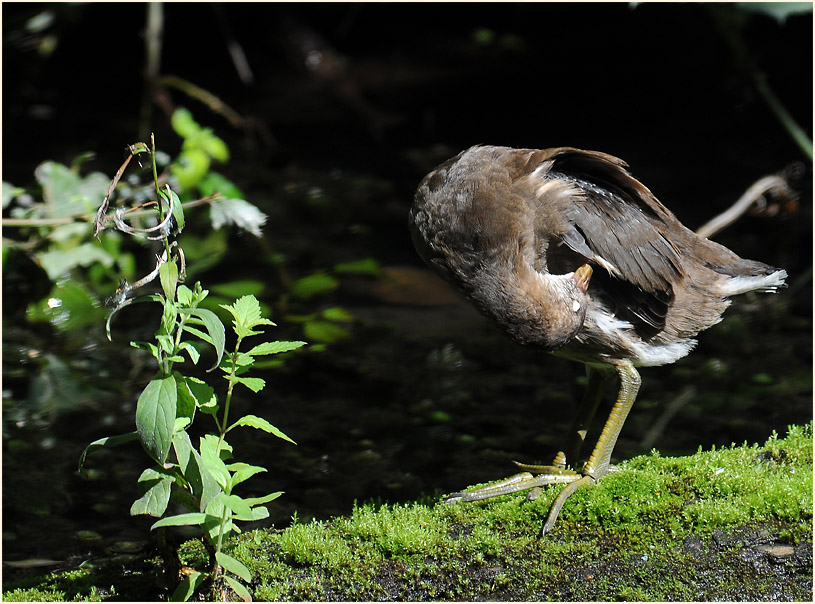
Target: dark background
[[426, 398]]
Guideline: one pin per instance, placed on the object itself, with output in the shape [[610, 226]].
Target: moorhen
[[568, 252]]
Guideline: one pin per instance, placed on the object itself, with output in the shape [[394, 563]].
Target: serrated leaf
[[247, 314], [106, 442], [274, 348], [254, 384], [253, 421], [190, 518], [155, 417], [233, 566]]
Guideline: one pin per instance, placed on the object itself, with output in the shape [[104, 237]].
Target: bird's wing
[[614, 221]]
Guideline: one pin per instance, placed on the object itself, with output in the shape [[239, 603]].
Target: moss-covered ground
[[728, 524]]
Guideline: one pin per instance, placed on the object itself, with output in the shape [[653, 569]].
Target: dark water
[[425, 397]]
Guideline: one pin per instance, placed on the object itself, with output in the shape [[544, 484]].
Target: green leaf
[[246, 313], [191, 518], [313, 285], [157, 485], [186, 403], [106, 442], [254, 384], [233, 566], [204, 487], [253, 421], [242, 472], [253, 501], [188, 586], [215, 147], [168, 274], [237, 505], [215, 329], [155, 417], [325, 332], [183, 295], [191, 350], [337, 315], [239, 588], [215, 182], [367, 266], [216, 510], [258, 513], [178, 212], [184, 124], [203, 393], [274, 348], [211, 457], [190, 167]]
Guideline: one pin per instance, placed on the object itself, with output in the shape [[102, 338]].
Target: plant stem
[[229, 392]]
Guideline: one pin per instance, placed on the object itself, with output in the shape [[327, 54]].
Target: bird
[[566, 251]]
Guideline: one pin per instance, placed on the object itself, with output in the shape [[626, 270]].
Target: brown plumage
[[568, 252]]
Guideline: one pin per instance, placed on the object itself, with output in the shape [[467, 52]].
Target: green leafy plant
[[202, 479]]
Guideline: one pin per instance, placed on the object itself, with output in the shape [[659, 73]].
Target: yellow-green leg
[[597, 465]]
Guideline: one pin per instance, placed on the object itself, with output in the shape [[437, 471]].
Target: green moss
[[685, 528]]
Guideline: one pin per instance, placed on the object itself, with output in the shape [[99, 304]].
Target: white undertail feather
[[741, 285]]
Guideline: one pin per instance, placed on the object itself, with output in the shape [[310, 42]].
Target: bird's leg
[[597, 465], [535, 476], [569, 451]]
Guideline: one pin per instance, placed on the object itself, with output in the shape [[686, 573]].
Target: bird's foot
[[523, 481], [527, 481]]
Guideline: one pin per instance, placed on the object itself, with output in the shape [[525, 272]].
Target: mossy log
[[728, 524]]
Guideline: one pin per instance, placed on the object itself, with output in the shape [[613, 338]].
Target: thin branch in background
[[154, 36], [756, 196], [730, 22], [236, 52], [204, 96]]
